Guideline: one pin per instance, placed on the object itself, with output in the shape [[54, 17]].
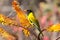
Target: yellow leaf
[[26, 32], [7, 21], [54, 28], [20, 14], [4, 33]]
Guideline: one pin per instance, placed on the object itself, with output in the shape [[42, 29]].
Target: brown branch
[[58, 38]]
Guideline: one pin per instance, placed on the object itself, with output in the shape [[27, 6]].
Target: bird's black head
[[28, 11]]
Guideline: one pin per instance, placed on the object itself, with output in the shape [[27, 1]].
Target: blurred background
[[43, 9]]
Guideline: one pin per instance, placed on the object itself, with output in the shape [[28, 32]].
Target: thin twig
[[58, 38]]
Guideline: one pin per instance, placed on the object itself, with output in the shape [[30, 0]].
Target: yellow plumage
[[31, 17]]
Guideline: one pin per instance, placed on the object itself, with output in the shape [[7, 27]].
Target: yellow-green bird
[[32, 19]]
